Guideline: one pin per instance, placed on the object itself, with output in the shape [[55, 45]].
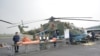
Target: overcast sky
[[30, 10]]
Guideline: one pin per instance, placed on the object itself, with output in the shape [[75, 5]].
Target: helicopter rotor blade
[[67, 18], [24, 23], [53, 18], [73, 18], [12, 26], [76, 17], [6, 22], [79, 19], [35, 21]]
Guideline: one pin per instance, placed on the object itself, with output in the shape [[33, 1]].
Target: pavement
[[86, 49], [70, 50]]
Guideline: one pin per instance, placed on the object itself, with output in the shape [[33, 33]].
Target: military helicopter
[[52, 26]]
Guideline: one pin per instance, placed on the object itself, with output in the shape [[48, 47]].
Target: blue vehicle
[[80, 38]]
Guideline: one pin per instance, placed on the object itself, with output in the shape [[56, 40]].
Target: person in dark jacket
[[93, 36], [71, 38], [16, 39], [54, 36]]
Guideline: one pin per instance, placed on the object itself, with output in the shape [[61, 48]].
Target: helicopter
[[52, 26]]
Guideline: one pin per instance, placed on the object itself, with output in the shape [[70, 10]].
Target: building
[[96, 29]]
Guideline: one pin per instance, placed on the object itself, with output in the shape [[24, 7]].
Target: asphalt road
[[88, 49]]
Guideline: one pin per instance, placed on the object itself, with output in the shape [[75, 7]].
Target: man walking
[[16, 39]]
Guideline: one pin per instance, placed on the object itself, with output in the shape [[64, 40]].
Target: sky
[[32, 10]]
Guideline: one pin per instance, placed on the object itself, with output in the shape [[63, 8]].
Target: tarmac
[[86, 49]]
